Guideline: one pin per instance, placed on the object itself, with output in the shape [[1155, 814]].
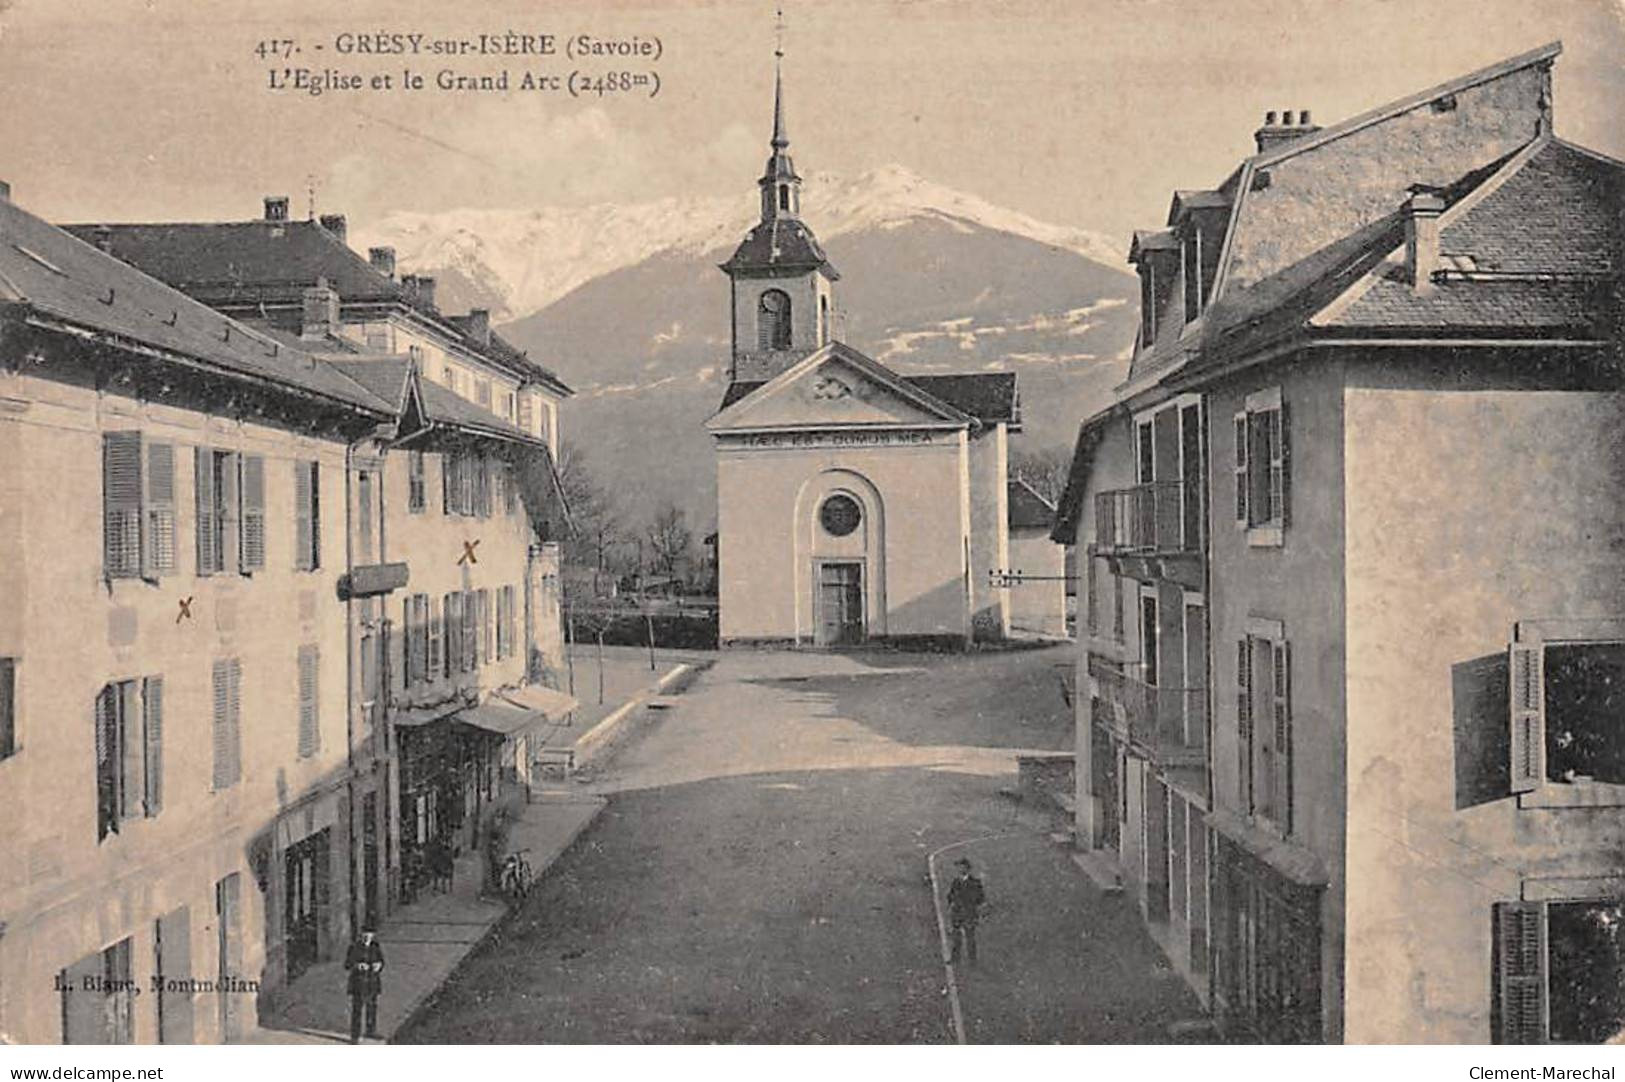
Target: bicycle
[[516, 876]]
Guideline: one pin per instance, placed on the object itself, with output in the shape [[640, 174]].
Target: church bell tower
[[780, 281]]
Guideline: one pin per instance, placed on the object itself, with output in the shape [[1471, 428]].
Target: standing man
[[965, 900], [365, 963]]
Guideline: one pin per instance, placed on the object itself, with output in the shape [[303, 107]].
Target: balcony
[[1168, 724], [1152, 531]]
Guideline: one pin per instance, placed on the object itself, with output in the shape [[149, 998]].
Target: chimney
[[321, 311], [426, 291], [1275, 132], [335, 224], [276, 208], [479, 325], [382, 260], [1422, 212], [104, 238], [5, 191]]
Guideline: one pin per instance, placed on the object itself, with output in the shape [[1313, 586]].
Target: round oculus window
[[840, 515]]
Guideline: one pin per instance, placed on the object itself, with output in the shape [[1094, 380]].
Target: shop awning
[[415, 717], [499, 718], [544, 700]]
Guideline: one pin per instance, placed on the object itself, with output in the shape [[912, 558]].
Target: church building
[[854, 504]]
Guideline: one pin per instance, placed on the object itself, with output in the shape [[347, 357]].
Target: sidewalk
[[423, 942], [1060, 961]]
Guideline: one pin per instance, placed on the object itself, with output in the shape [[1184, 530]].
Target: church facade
[[854, 503]]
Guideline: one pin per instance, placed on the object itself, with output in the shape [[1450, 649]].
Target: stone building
[[1354, 540], [853, 503]]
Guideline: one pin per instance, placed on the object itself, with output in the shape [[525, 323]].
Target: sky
[[1085, 113]]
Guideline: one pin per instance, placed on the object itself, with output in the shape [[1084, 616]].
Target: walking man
[[965, 901], [365, 963]]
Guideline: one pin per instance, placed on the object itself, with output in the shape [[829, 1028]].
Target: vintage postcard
[[882, 522]]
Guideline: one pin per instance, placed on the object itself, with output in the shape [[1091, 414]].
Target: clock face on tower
[[840, 515]]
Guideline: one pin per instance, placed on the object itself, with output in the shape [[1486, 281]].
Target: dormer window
[[1192, 259]]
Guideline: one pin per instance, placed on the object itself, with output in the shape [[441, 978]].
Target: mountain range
[[626, 304]]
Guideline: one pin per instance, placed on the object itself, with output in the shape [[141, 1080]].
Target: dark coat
[[366, 965], [965, 898]]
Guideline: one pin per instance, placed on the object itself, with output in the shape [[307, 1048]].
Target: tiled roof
[[386, 378], [990, 397], [782, 244], [57, 275], [1029, 510], [266, 262]]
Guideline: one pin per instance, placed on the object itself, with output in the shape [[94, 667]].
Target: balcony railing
[[1160, 517], [1165, 721]]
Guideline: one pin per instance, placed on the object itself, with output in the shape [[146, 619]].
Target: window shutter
[[152, 727], [1520, 949], [436, 631], [131, 750], [1528, 694], [407, 675], [465, 484], [235, 726], [121, 504], [1283, 449], [471, 633], [482, 613], [8, 707], [1244, 721], [106, 762], [1283, 734], [454, 633], [447, 500], [304, 526], [227, 716], [159, 550], [309, 734], [1241, 468], [208, 560], [252, 545], [416, 489]]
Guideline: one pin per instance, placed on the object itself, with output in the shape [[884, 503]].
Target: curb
[[426, 998], [595, 741]]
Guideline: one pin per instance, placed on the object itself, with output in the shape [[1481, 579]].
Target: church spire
[[781, 188]]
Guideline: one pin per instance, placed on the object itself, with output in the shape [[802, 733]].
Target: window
[[138, 506], [482, 393], [458, 483], [505, 622], [1558, 969], [480, 466], [823, 320], [1191, 253], [310, 733], [98, 998], [436, 667], [1566, 699], [216, 473], [1148, 638], [417, 639], [784, 197], [510, 489], [773, 320], [1264, 727], [1263, 462], [227, 728], [129, 752], [251, 547], [449, 375], [507, 406], [1117, 608], [524, 412], [8, 707], [307, 503], [416, 490]]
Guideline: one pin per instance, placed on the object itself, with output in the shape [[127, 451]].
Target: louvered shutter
[[152, 728], [436, 632], [1283, 733], [471, 633], [1244, 721], [1283, 449], [1528, 695], [159, 550], [448, 487], [309, 733], [235, 727], [121, 504], [252, 544], [107, 775], [304, 527], [1241, 468], [454, 633], [208, 555], [482, 613], [1520, 972]]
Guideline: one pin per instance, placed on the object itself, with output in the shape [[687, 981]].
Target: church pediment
[[835, 387]]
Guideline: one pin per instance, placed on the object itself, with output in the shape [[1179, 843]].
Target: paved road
[[759, 873]]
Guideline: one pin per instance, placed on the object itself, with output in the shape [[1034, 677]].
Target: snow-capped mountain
[[516, 262], [626, 303]]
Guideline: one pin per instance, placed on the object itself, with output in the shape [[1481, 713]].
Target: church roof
[[990, 397], [782, 244]]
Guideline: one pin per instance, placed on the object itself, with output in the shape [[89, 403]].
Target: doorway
[[306, 881], [840, 603]]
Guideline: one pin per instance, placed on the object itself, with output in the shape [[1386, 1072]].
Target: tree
[[1044, 468], [599, 527], [669, 538]]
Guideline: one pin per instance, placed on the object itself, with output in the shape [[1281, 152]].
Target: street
[[759, 875]]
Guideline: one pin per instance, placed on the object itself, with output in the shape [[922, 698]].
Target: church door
[[840, 604]]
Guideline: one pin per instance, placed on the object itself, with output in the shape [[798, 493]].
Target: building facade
[[1398, 594], [211, 594], [853, 503]]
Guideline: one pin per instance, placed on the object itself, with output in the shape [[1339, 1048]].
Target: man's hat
[[963, 862]]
